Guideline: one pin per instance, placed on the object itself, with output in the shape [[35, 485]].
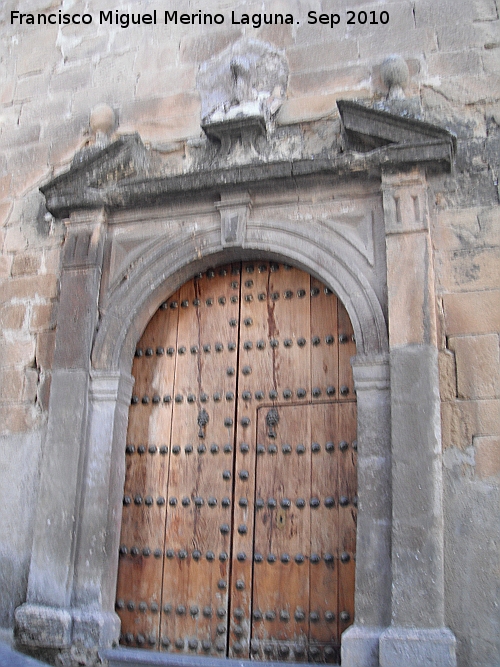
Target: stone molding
[[366, 128], [124, 174], [129, 193], [161, 272], [371, 372], [110, 386]]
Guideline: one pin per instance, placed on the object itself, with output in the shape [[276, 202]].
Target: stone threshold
[[130, 657]]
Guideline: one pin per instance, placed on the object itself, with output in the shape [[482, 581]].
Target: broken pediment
[[94, 170], [126, 174], [366, 129]]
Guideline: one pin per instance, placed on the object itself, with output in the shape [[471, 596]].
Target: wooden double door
[[239, 509]]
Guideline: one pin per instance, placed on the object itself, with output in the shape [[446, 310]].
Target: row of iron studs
[[316, 392], [250, 268], [272, 503], [183, 554], [270, 615], [282, 649], [231, 346], [244, 448], [248, 298]]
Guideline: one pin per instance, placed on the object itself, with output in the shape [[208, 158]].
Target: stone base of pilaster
[[44, 627], [69, 637], [414, 647], [360, 646], [95, 628]]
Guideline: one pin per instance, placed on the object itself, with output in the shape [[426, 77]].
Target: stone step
[[129, 657]]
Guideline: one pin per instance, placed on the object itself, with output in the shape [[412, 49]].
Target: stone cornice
[[122, 174]]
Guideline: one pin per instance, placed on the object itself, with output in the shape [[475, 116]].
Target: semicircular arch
[[167, 266]]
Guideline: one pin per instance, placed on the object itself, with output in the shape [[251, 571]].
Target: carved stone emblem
[[247, 79]]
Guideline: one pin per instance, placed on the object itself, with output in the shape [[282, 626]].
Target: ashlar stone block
[[17, 351], [26, 264], [472, 312], [17, 418], [447, 375], [487, 456], [311, 107], [45, 345], [12, 317], [478, 367], [462, 420], [469, 270], [11, 385]]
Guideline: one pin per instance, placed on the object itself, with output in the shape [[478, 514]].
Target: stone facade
[[82, 270]]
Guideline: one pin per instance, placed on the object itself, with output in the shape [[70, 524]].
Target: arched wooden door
[[239, 517]]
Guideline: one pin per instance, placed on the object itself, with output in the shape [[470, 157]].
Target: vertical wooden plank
[[288, 328], [324, 343], [198, 540], [282, 533], [347, 349], [347, 512], [324, 563], [273, 310], [147, 454], [255, 381]]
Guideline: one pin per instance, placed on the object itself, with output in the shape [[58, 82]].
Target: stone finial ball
[[102, 119], [395, 73]]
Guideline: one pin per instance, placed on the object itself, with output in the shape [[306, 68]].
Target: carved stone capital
[[83, 245], [371, 372], [405, 202], [110, 386]]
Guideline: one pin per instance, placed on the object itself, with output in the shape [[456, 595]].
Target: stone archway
[[123, 257], [372, 385]]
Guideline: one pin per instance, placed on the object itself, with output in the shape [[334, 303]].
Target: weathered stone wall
[[51, 77], [468, 271]]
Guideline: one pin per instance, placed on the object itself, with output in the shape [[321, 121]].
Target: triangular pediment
[[366, 128], [97, 169], [126, 174]]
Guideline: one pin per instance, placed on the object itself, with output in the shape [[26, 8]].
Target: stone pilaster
[[55, 538], [360, 642], [417, 634], [94, 620]]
